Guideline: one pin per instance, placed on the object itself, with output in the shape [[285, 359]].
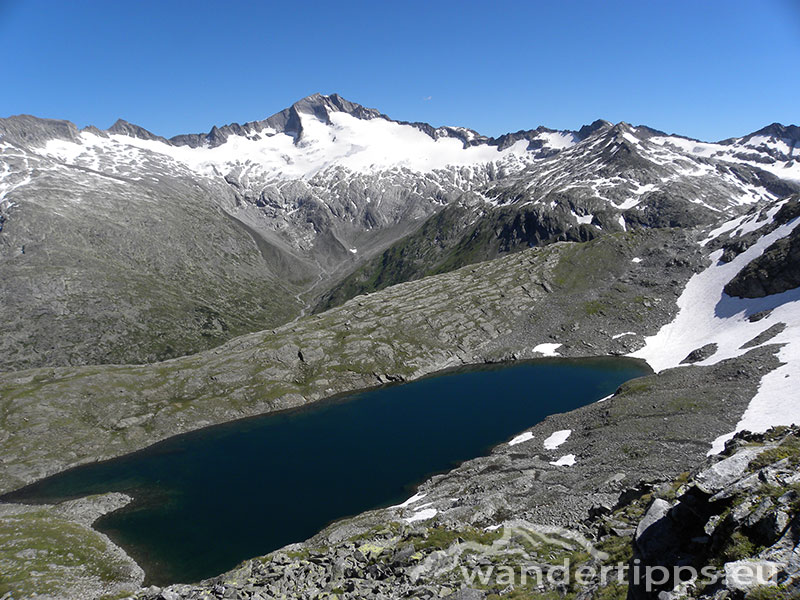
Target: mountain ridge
[[319, 105]]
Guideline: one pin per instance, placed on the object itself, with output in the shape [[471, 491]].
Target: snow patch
[[558, 140], [556, 439], [415, 498], [619, 335], [583, 219], [565, 461], [707, 315], [547, 349], [522, 437], [422, 515]]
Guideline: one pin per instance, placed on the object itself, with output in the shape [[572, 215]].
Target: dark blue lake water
[[207, 500]]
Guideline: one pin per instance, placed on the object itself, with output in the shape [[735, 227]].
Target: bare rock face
[[700, 354], [774, 272]]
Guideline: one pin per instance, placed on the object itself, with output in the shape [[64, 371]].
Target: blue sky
[[708, 69]]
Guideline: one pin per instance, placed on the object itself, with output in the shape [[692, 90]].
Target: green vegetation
[[40, 551], [636, 386], [613, 591], [789, 449], [619, 549], [594, 307], [441, 538], [739, 547], [302, 554], [683, 404], [770, 593]]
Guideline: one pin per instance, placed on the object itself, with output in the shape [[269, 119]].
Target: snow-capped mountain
[[210, 235]]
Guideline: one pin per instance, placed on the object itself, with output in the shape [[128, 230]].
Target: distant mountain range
[[157, 248]]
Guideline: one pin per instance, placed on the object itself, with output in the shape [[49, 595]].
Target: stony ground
[[44, 547]]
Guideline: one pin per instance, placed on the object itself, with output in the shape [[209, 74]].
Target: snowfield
[[355, 144], [522, 437], [422, 515], [415, 498], [707, 315]]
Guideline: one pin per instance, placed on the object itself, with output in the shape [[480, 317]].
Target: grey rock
[[700, 354], [728, 471], [777, 270]]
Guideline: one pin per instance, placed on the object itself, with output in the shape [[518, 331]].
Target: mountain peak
[[778, 130], [320, 106], [596, 125], [35, 131], [123, 127], [287, 121]]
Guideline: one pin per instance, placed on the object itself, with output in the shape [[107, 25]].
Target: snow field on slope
[[356, 144], [707, 315]]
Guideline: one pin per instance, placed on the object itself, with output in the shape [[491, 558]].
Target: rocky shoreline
[[726, 518]]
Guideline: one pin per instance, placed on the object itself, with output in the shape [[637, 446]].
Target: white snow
[[583, 219], [776, 401], [522, 437], [643, 189], [556, 439], [356, 144], [631, 138], [724, 228], [422, 515], [558, 139], [353, 250], [706, 314], [619, 335], [415, 498], [606, 398], [636, 260], [7, 187], [785, 169], [781, 145], [565, 461], [492, 528], [547, 349]]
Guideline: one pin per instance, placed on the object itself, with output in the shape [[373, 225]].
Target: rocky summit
[[157, 286]]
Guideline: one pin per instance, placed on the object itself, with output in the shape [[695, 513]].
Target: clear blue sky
[[708, 69]]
